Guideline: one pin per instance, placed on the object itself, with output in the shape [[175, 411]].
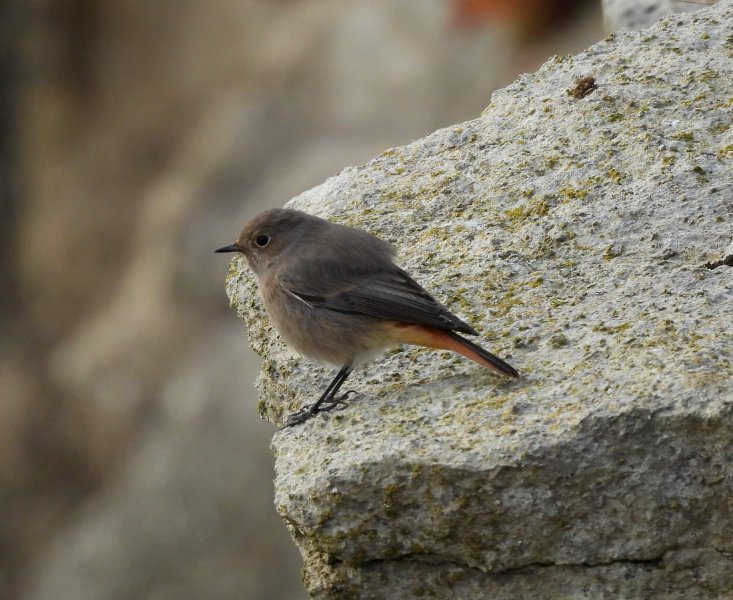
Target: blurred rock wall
[[138, 138]]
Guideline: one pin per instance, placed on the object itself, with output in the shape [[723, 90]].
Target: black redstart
[[335, 295]]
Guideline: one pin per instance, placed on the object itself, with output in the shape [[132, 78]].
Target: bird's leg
[[327, 401]]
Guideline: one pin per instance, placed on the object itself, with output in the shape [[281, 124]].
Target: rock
[[573, 234], [630, 15]]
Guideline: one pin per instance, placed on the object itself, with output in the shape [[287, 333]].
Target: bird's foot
[[339, 403], [305, 413], [300, 416]]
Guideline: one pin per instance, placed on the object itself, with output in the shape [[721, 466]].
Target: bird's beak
[[230, 248]]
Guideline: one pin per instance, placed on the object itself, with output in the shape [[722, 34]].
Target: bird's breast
[[327, 336]]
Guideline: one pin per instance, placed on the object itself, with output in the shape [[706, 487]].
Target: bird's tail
[[433, 337], [479, 355]]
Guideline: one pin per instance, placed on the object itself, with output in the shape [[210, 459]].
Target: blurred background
[[137, 137]]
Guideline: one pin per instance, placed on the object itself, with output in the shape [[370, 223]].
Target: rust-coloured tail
[[433, 337]]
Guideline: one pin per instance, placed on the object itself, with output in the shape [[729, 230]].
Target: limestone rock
[[630, 15], [573, 233]]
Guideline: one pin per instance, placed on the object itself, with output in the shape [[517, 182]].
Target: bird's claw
[[338, 403], [300, 416], [305, 413]]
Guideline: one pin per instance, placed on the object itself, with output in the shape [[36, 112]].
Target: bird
[[336, 296]]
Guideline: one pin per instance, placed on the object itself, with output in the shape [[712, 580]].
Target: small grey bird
[[336, 296]]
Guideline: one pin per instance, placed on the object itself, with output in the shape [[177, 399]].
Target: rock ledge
[[574, 234]]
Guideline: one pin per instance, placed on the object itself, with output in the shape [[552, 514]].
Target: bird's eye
[[262, 240]]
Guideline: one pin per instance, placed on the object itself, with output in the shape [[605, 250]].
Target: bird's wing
[[385, 293]]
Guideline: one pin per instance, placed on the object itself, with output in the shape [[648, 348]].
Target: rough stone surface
[[630, 15], [573, 234]]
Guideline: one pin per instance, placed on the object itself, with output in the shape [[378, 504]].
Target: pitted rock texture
[[573, 234], [630, 15]]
